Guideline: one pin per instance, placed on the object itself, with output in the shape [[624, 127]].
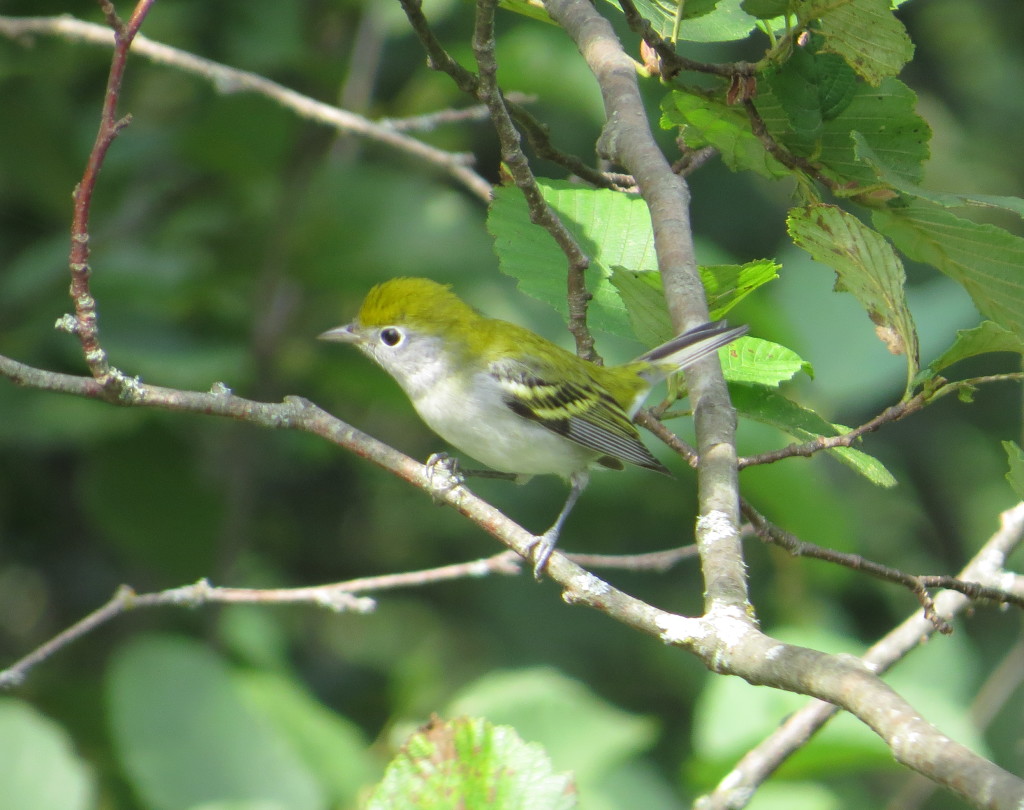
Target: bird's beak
[[341, 334]]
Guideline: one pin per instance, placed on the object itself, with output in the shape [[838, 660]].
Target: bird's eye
[[390, 336]]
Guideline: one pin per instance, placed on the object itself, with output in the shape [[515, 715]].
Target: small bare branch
[[916, 584], [339, 597]]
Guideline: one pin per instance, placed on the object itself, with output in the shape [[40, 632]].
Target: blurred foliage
[[226, 234]]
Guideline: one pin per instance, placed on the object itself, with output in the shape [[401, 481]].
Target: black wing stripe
[[627, 448]]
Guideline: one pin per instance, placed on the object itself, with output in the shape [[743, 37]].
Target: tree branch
[[338, 597], [987, 566], [724, 639]]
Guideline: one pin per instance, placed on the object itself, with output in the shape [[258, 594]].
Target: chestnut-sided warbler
[[507, 396]]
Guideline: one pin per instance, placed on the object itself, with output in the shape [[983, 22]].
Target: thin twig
[[431, 121], [916, 584], [784, 156], [338, 597], [85, 325], [806, 449], [658, 561]]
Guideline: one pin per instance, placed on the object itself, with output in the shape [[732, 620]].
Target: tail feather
[[689, 347]]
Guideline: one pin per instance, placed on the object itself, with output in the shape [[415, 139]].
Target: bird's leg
[[545, 543]]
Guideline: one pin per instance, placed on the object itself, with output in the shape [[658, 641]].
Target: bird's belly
[[482, 426]]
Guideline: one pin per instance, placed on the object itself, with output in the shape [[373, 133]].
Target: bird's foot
[[540, 552], [443, 475]]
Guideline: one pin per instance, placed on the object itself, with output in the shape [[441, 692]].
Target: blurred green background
[[227, 233]]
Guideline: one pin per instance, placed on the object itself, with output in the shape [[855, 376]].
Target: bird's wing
[[578, 409]]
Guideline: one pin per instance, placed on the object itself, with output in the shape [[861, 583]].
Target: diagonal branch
[[725, 639], [759, 763]]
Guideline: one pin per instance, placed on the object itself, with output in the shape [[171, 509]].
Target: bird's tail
[[689, 347]]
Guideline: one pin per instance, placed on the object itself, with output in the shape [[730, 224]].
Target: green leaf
[[613, 228], [528, 8], [812, 88], [886, 118], [644, 299], [468, 762], [1015, 475], [39, 769], [752, 360], [772, 408], [706, 122], [865, 153], [865, 33], [866, 266], [988, 337], [986, 260], [728, 284], [186, 736], [725, 285]]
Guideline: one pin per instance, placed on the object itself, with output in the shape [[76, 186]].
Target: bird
[[510, 398]]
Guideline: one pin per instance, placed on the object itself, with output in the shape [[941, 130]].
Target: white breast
[[484, 427]]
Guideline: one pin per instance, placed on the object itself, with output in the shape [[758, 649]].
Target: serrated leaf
[[811, 88], [710, 123], [772, 408], [865, 153], [761, 362], [1015, 474], [866, 266], [728, 284], [579, 730], [986, 260], [886, 118], [865, 33], [481, 764], [615, 230], [982, 339]]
